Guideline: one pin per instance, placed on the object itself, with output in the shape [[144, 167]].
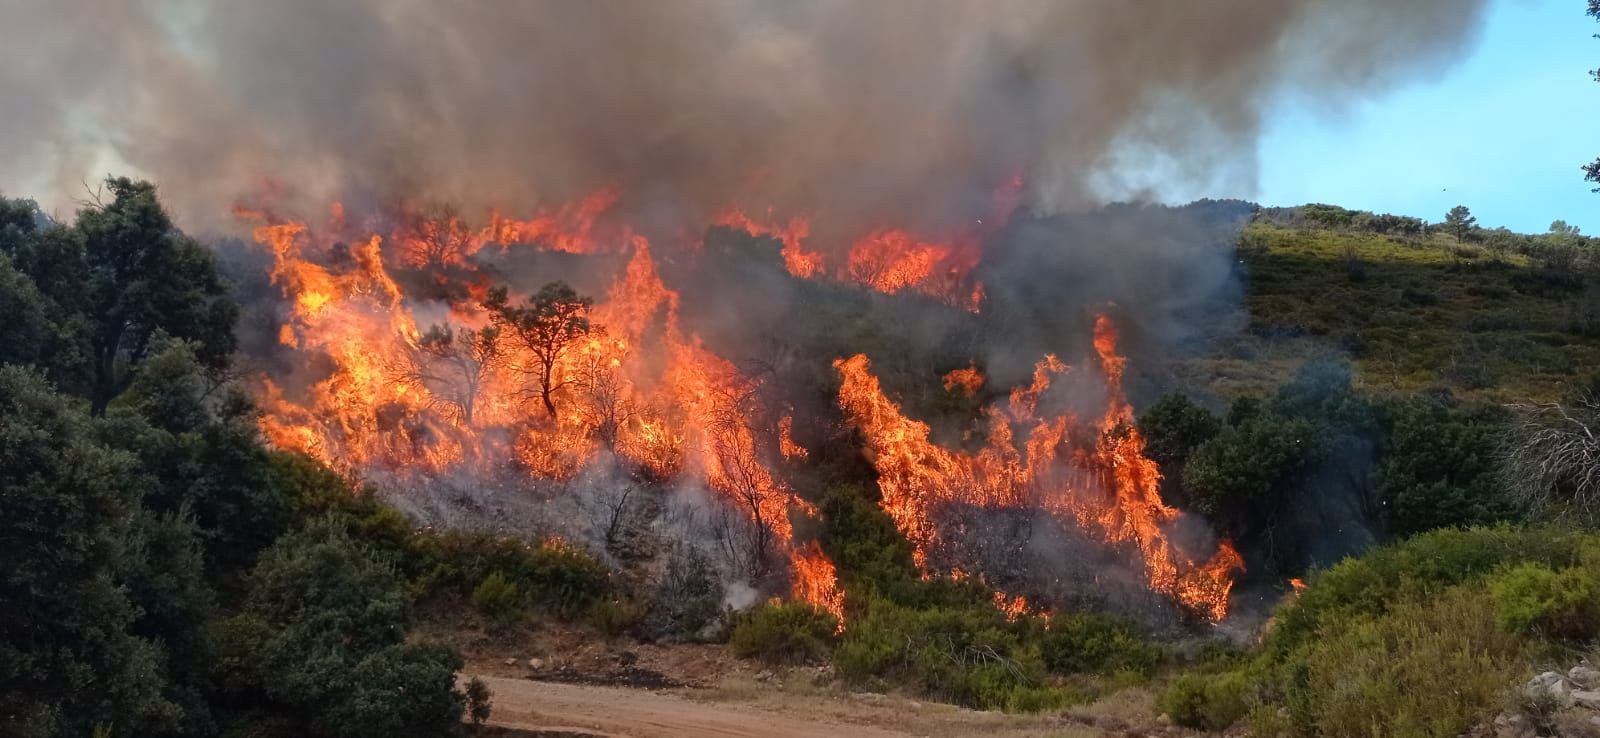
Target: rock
[[1586, 676], [510, 661], [1586, 698], [536, 664], [764, 676], [868, 696], [1513, 726], [1545, 680], [1164, 719]]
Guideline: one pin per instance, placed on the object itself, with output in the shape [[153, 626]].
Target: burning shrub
[[785, 633], [1532, 598]]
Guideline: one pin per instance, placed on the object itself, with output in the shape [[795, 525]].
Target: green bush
[[1532, 598], [1416, 568], [787, 633], [557, 578], [968, 655], [1428, 667], [1206, 701], [1097, 643], [615, 616], [498, 598]]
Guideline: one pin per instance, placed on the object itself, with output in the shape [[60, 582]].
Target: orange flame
[[1109, 487], [966, 381], [799, 261], [404, 396]]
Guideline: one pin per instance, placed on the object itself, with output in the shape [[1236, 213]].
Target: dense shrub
[[1097, 643], [1439, 470], [555, 577], [1416, 568], [1245, 462], [971, 656], [1206, 701], [1533, 598], [498, 598], [788, 633], [1427, 667]]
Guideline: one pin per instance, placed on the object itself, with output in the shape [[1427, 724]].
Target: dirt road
[[582, 710]]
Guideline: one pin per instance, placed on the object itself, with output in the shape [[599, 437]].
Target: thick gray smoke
[[861, 113]]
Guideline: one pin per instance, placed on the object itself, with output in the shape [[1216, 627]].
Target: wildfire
[[799, 261], [966, 381], [1107, 486], [426, 398]]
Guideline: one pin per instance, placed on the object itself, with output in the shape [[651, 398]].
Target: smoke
[[902, 111]]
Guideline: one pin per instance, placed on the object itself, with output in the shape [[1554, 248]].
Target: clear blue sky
[[1502, 132]]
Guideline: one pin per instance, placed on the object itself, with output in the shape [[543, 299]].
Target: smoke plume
[[907, 111]]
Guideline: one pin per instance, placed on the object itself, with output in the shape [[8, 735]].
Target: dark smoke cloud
[[871, 112]]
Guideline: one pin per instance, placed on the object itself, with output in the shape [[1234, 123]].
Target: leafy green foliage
[[323, 639], [787, 633], [1534, 598], [554, 577], [1205, 701], [968, 655], [1428, 667], [1245, 463], [1439, 471], [498, 598], [69, 661], [1096, 643], [145, 277]]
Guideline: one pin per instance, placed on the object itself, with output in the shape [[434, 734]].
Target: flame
[[965, 381], [786, 445], [799, 261], [569, 228], [399, 397], [816, 582], [1107, 486]]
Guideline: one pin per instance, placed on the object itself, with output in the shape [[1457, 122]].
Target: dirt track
[[579, 710]]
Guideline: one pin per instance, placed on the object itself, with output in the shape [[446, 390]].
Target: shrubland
[[183, 578]]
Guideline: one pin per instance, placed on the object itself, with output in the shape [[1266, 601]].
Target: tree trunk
[[549, 405]]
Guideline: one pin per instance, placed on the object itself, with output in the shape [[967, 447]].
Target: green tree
[[26, 328], [1438, 471], [1591, 171], [68, 663], [145, 277], [322, 640], [1245, 463], [546, 326], [1460, 222]]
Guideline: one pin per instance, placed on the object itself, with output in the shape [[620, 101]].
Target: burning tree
[[451, 363], [553, 318]]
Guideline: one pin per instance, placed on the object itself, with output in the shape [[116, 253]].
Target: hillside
[[1095, 468], [1500, 318]]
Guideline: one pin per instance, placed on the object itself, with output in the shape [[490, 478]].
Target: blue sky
[[1502, 132]]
